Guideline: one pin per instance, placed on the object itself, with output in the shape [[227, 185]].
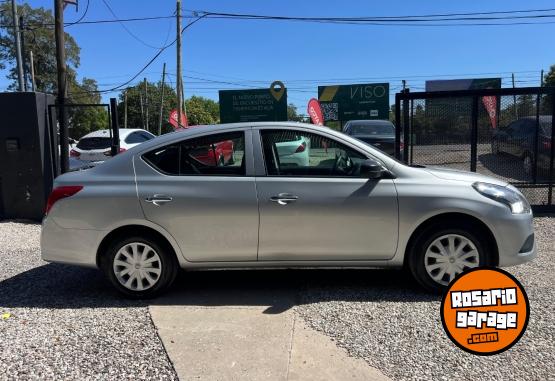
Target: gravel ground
[[66, 322], [378, 317]]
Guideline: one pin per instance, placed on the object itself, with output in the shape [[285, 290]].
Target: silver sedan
[[222, 197]]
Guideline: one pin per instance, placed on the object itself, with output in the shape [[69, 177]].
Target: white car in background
[[96, 146], [293, 150]]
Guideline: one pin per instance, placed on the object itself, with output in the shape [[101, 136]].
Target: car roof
[[123, 133]]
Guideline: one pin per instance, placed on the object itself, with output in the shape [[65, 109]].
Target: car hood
[[457, 175]]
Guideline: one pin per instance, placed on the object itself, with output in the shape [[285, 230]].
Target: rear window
[[94, 143], [379, 129]]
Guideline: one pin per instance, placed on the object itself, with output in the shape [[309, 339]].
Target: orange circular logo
[[485, 311]]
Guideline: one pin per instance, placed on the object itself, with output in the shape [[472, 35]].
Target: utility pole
[[125, 109], [23, 54], [146, 104], [17, 46], [142, 109], [162, 100], [541, 78], [33, 84], [514, 96], [179, 84], [62, 73]]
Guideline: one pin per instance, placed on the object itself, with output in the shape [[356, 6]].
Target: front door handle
[[158, 199], [284, 198]]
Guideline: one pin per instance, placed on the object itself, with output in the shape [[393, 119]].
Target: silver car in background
[[164, 205]]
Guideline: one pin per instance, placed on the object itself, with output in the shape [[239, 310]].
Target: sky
[[252, 54]]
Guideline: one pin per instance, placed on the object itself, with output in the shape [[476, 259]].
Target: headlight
[[505, 195]]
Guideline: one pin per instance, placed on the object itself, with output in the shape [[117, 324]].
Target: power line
[[137, 38], [149, 62], [82, 16], [367, 20]]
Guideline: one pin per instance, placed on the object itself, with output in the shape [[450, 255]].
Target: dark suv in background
[[378, 133], [518, 139]]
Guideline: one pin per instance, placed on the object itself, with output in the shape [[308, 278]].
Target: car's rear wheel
[[439, 254], [140, 267]]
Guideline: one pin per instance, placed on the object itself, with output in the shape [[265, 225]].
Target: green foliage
[[292, 114], [138, 104], [39, 40], [202, 110]]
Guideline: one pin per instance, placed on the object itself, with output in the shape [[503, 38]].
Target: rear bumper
[[70, 246]]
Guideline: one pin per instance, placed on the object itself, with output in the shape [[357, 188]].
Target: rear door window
[[211, 155]]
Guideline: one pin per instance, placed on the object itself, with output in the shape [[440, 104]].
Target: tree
[[39, 38], [548, 81], [202, 110], [292, 114], [138, 103]]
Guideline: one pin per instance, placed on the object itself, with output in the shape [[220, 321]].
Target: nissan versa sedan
[[157, 208]]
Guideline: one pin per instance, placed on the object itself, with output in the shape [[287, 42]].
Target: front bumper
[[513, 234]]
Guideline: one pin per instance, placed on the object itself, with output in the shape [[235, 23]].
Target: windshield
[[372, 129], [94, 143]]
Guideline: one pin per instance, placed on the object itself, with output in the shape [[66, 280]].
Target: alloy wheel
[[448, 256], [137, 266]]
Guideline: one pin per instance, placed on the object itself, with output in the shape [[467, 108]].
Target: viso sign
[[351, 102], [255, 105]]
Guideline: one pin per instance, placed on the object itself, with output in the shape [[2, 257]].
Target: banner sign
[[490, 103], [315, 112], [173, 119], [351, 102], [254, 105]]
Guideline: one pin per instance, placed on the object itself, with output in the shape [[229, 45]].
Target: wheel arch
[[135, 229], [454, 219]]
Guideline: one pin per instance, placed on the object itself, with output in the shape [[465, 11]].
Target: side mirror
[[371, 169]]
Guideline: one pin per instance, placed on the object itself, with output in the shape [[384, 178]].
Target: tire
[[159, 265], [430, 239]]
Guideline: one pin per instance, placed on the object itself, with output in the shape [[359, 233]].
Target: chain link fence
[[504, 133]]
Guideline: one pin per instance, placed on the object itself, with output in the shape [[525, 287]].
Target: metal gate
[[504, 133], [76, 127]]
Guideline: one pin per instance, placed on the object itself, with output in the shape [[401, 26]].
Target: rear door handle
[[284, 198], [158, 199]]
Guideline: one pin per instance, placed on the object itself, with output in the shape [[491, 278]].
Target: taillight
[[402, 146], [61, 192], [547, 145], [109, 152], [301, 148], [74, 153]]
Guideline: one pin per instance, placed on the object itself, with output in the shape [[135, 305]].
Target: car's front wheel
[[439, 254], [140, 267]]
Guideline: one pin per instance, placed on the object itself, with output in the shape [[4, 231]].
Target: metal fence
[[504, 133]]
